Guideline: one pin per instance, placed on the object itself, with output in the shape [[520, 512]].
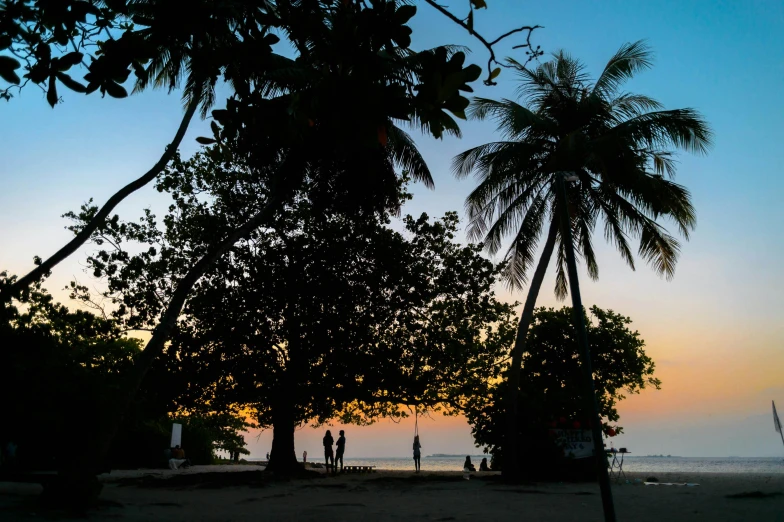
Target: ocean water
[[642, 464], [705, 464]]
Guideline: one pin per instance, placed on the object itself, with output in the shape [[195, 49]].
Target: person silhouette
[[483, 465], [341, 447], [328, 455], [417, 454], [467, 466]]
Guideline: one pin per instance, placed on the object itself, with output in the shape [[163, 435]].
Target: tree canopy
[[551, 392], [318, 315]]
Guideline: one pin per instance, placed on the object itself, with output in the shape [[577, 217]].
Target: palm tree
[[617, 145]]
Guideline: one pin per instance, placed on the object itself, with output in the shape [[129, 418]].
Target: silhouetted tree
[[291, 113], [551, 392], [317, 315], [617, 150]]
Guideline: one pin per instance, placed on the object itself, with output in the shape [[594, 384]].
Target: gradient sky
[[715, 331]]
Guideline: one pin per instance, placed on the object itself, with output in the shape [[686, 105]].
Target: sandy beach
[[237, 493]]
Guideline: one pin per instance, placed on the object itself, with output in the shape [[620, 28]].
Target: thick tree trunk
[[78, 480], [283, 458], [84, 235], [510, 450]]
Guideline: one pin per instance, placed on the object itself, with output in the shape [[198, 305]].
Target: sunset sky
[[715, 331]]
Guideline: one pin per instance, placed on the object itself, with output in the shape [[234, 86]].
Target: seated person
[[178, 458], [483, 465], [467, 466]]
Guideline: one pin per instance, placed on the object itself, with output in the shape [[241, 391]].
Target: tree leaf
[[205, 141], [472, 72], [7, 67], [71, 83], [405, 13], [470, 22], [479, 4], [458, 113], [495, 73], [69, 60], [115, 90], [220, 114], [51, 93]]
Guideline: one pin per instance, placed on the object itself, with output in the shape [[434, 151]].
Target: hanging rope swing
[[417, 445]]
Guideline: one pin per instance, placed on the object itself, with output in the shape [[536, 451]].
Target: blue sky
[[715, 330]]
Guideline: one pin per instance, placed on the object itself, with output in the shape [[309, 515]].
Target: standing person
[[417, 453], [340, 449], [304, 457], [328, 441]]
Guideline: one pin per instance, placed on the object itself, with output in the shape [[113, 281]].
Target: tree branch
[[532, 53], [98, 220]]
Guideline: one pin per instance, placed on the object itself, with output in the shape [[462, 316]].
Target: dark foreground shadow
[[755, 494], [215, 480]]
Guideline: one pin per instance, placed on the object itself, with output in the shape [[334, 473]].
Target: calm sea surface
[[645, 464]]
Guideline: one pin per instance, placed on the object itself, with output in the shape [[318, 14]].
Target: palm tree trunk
[[103, 213], [78, 484], [510, 463]]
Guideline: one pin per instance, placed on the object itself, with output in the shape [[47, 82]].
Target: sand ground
[[208, 493]]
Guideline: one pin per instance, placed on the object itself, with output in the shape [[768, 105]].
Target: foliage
[[354, 73], [64, 368], [325, 118], [110, 39], [339, 314], [616, 144], [204, 434], [161, 42], [552, 384], [58, 369]]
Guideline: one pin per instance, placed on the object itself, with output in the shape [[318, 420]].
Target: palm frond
[[510, 204], [613, 231], [628, 105], [683, 128], [407, 156], [464, 163], [520, 255], [628, 60], [561, 289], [585, 223], [659, 248], [663, 162], [515, 122]]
